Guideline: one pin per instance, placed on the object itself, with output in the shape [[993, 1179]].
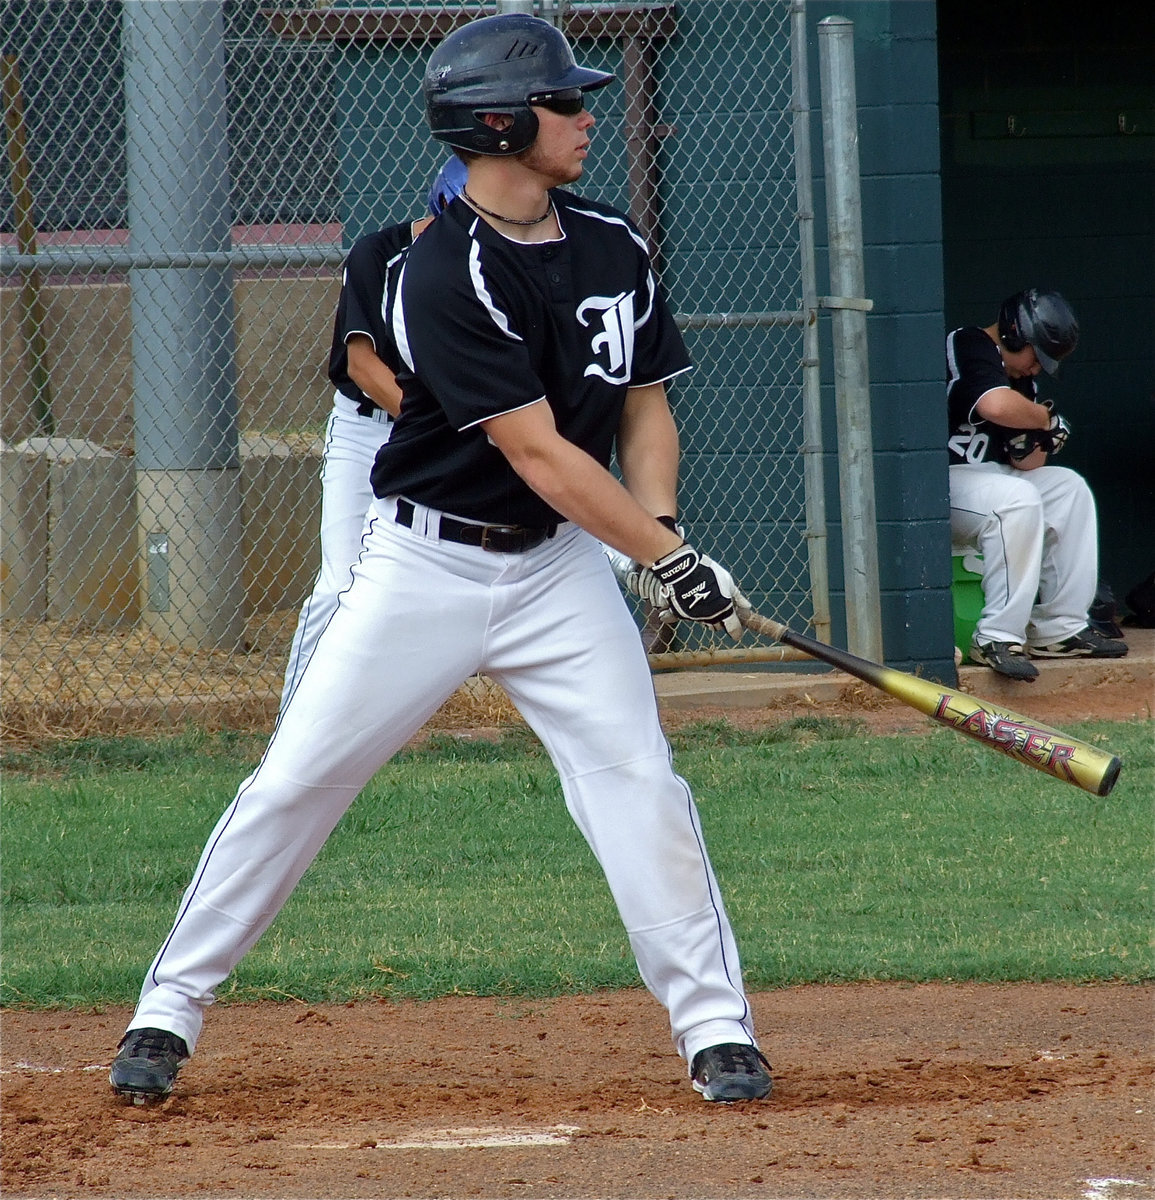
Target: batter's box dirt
[[1016, 1091]]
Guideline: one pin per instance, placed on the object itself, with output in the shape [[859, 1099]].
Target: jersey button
[[554, 277]]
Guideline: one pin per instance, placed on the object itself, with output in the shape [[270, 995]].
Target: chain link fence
[[183, 180]]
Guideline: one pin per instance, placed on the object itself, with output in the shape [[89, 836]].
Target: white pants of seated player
[[419, 617], [1037, 532], [351, 445]]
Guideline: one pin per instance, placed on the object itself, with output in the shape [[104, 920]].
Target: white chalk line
[[1112, 1188], [460, 1139], [37, 1069]]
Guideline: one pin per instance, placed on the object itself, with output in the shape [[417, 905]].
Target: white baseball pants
[[1038, 534], [420, 616], [351, 445]]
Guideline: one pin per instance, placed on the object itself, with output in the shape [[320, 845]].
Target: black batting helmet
[[1041, 319], [498, 64]]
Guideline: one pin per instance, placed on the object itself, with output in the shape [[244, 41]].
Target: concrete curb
[[751, 689]]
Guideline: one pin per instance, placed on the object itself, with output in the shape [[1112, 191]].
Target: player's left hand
[[622, 566], [695, 588], [1022, 444], [629, 575]]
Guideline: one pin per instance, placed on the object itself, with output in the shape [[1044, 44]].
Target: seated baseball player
[[1034, 523]]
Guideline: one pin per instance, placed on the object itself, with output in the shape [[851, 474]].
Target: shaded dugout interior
[[1048, 176]]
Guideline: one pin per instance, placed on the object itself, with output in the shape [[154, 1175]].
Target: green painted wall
[[896, 80]]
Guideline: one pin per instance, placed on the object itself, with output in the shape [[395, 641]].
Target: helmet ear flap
[[473, 133], [519, 136]]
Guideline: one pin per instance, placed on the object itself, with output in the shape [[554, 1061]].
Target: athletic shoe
[[731, 1072], [1088, 643], [1005, 657], [146, 1067]]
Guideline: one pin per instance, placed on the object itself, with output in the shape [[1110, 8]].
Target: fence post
[[813, 474], [184, 376], [848, 320]]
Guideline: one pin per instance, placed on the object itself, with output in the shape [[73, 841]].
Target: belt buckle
[[498, 532]]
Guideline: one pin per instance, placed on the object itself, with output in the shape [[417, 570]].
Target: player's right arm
[[371, 375], [574, 484], [1012, 410]]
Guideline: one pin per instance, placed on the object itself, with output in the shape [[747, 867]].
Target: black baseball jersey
[[360, 305], [974, 367], [483, 325]]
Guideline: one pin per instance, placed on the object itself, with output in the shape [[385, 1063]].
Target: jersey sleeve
[[359, 309], [974, 367], [456, 327]]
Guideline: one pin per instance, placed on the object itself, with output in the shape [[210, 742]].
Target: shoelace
[[737, 1059], [154, 1042]]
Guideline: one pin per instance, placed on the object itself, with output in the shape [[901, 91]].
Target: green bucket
[[967, 593]]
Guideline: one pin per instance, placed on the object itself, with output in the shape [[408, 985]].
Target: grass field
[[842, 857]]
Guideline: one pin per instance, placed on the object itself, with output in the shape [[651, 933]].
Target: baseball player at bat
[[530, 340], [1034, 523]]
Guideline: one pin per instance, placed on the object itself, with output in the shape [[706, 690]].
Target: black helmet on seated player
[[1041, 319], [498, 64]]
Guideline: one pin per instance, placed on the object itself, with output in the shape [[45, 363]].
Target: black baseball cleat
[[731, 1071], [1087, 643], [1007, 658], [145, 1067]]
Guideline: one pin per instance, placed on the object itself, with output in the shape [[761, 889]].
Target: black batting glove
[[1020, 445], [698, 589], [1054, 437]]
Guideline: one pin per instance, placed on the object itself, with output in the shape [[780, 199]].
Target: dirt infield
[[881, 1090]]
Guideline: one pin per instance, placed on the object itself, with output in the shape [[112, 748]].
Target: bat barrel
[[1110, 776], [1025, 740]]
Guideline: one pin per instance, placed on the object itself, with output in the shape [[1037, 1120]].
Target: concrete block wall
[[23, 535], [71, 549], [281, 514], [68, 536]]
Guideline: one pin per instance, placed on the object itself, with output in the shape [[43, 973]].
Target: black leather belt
[[501, 539]]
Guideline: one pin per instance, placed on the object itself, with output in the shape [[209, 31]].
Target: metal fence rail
[[175, 214]]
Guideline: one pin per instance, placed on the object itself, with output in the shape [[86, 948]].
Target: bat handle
[[757, 623]]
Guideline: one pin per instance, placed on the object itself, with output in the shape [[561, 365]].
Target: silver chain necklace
[[509, 220]]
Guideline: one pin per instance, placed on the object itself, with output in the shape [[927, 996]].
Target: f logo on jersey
[[612, 345]]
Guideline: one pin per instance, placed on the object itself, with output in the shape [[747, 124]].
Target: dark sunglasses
[[566, 102]]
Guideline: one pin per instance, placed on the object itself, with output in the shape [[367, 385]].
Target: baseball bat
[[1021, 738]]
